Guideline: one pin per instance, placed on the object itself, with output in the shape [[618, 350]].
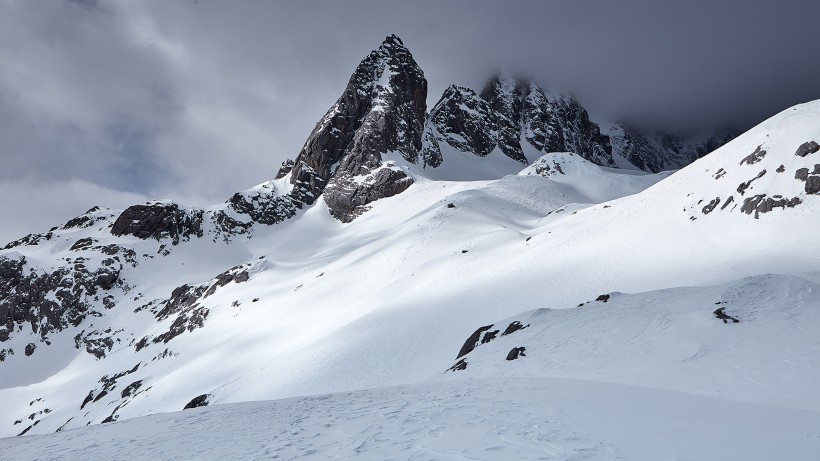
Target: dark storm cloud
[[192, 100]]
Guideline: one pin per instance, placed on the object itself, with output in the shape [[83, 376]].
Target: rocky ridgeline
[[509, 112]]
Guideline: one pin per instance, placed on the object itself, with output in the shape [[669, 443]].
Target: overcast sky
[[113, 102]]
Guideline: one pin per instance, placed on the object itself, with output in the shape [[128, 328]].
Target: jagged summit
[[470, 124], [392, 40], [381, 110], [517, 115]]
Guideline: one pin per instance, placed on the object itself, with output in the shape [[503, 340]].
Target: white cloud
[[31, 205]]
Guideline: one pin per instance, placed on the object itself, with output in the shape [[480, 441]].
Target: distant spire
[[392, 39]]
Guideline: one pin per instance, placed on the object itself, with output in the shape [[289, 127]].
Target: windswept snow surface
[[673, 339], [482, 419]]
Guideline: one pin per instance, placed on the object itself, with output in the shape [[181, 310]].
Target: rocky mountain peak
[[510, 112], [469, 123], [381, 110], [392, 41]]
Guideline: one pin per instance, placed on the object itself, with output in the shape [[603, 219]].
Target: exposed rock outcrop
[[516, 352], [722, 315], [185, 307], [508, 112], [807, 148], [49, 302], [198, 401], [472, 341], [763, 204], [159, 221]]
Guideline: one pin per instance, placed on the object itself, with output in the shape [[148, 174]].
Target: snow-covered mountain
[[523, 121], [407, 248]]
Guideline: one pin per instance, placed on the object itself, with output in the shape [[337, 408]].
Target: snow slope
[[389, 298], [499, 419], [673, 339]]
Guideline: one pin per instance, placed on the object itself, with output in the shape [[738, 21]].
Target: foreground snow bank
[[532, 418]]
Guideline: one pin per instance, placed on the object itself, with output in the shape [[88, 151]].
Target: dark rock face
[[459, 366], [513, 327], [754, 157], [106, 389], [430, 149], [711, 205], [581, 135], [184, 305], [813, 185], [30, 239], [472, 341], [30, 347], [198, 401], [479, 124], [561, 124], [763, 204], [465, 121], [87, 219], [637, 149], [516, 352], [348, 198], [722, 315], [603, 298], [97, 343], [261, 205], [159, 221], [286, 168], [741, 188], [508, 108], [381, 110], [807, 148], [130, 389], [49, 301], [190, 315], [489, 336], [82, 244], [506, 99], [88, 399]]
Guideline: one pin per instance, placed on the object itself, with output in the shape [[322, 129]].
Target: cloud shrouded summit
[[107, 102]]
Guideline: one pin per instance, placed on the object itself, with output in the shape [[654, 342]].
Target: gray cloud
[[195, 99]]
